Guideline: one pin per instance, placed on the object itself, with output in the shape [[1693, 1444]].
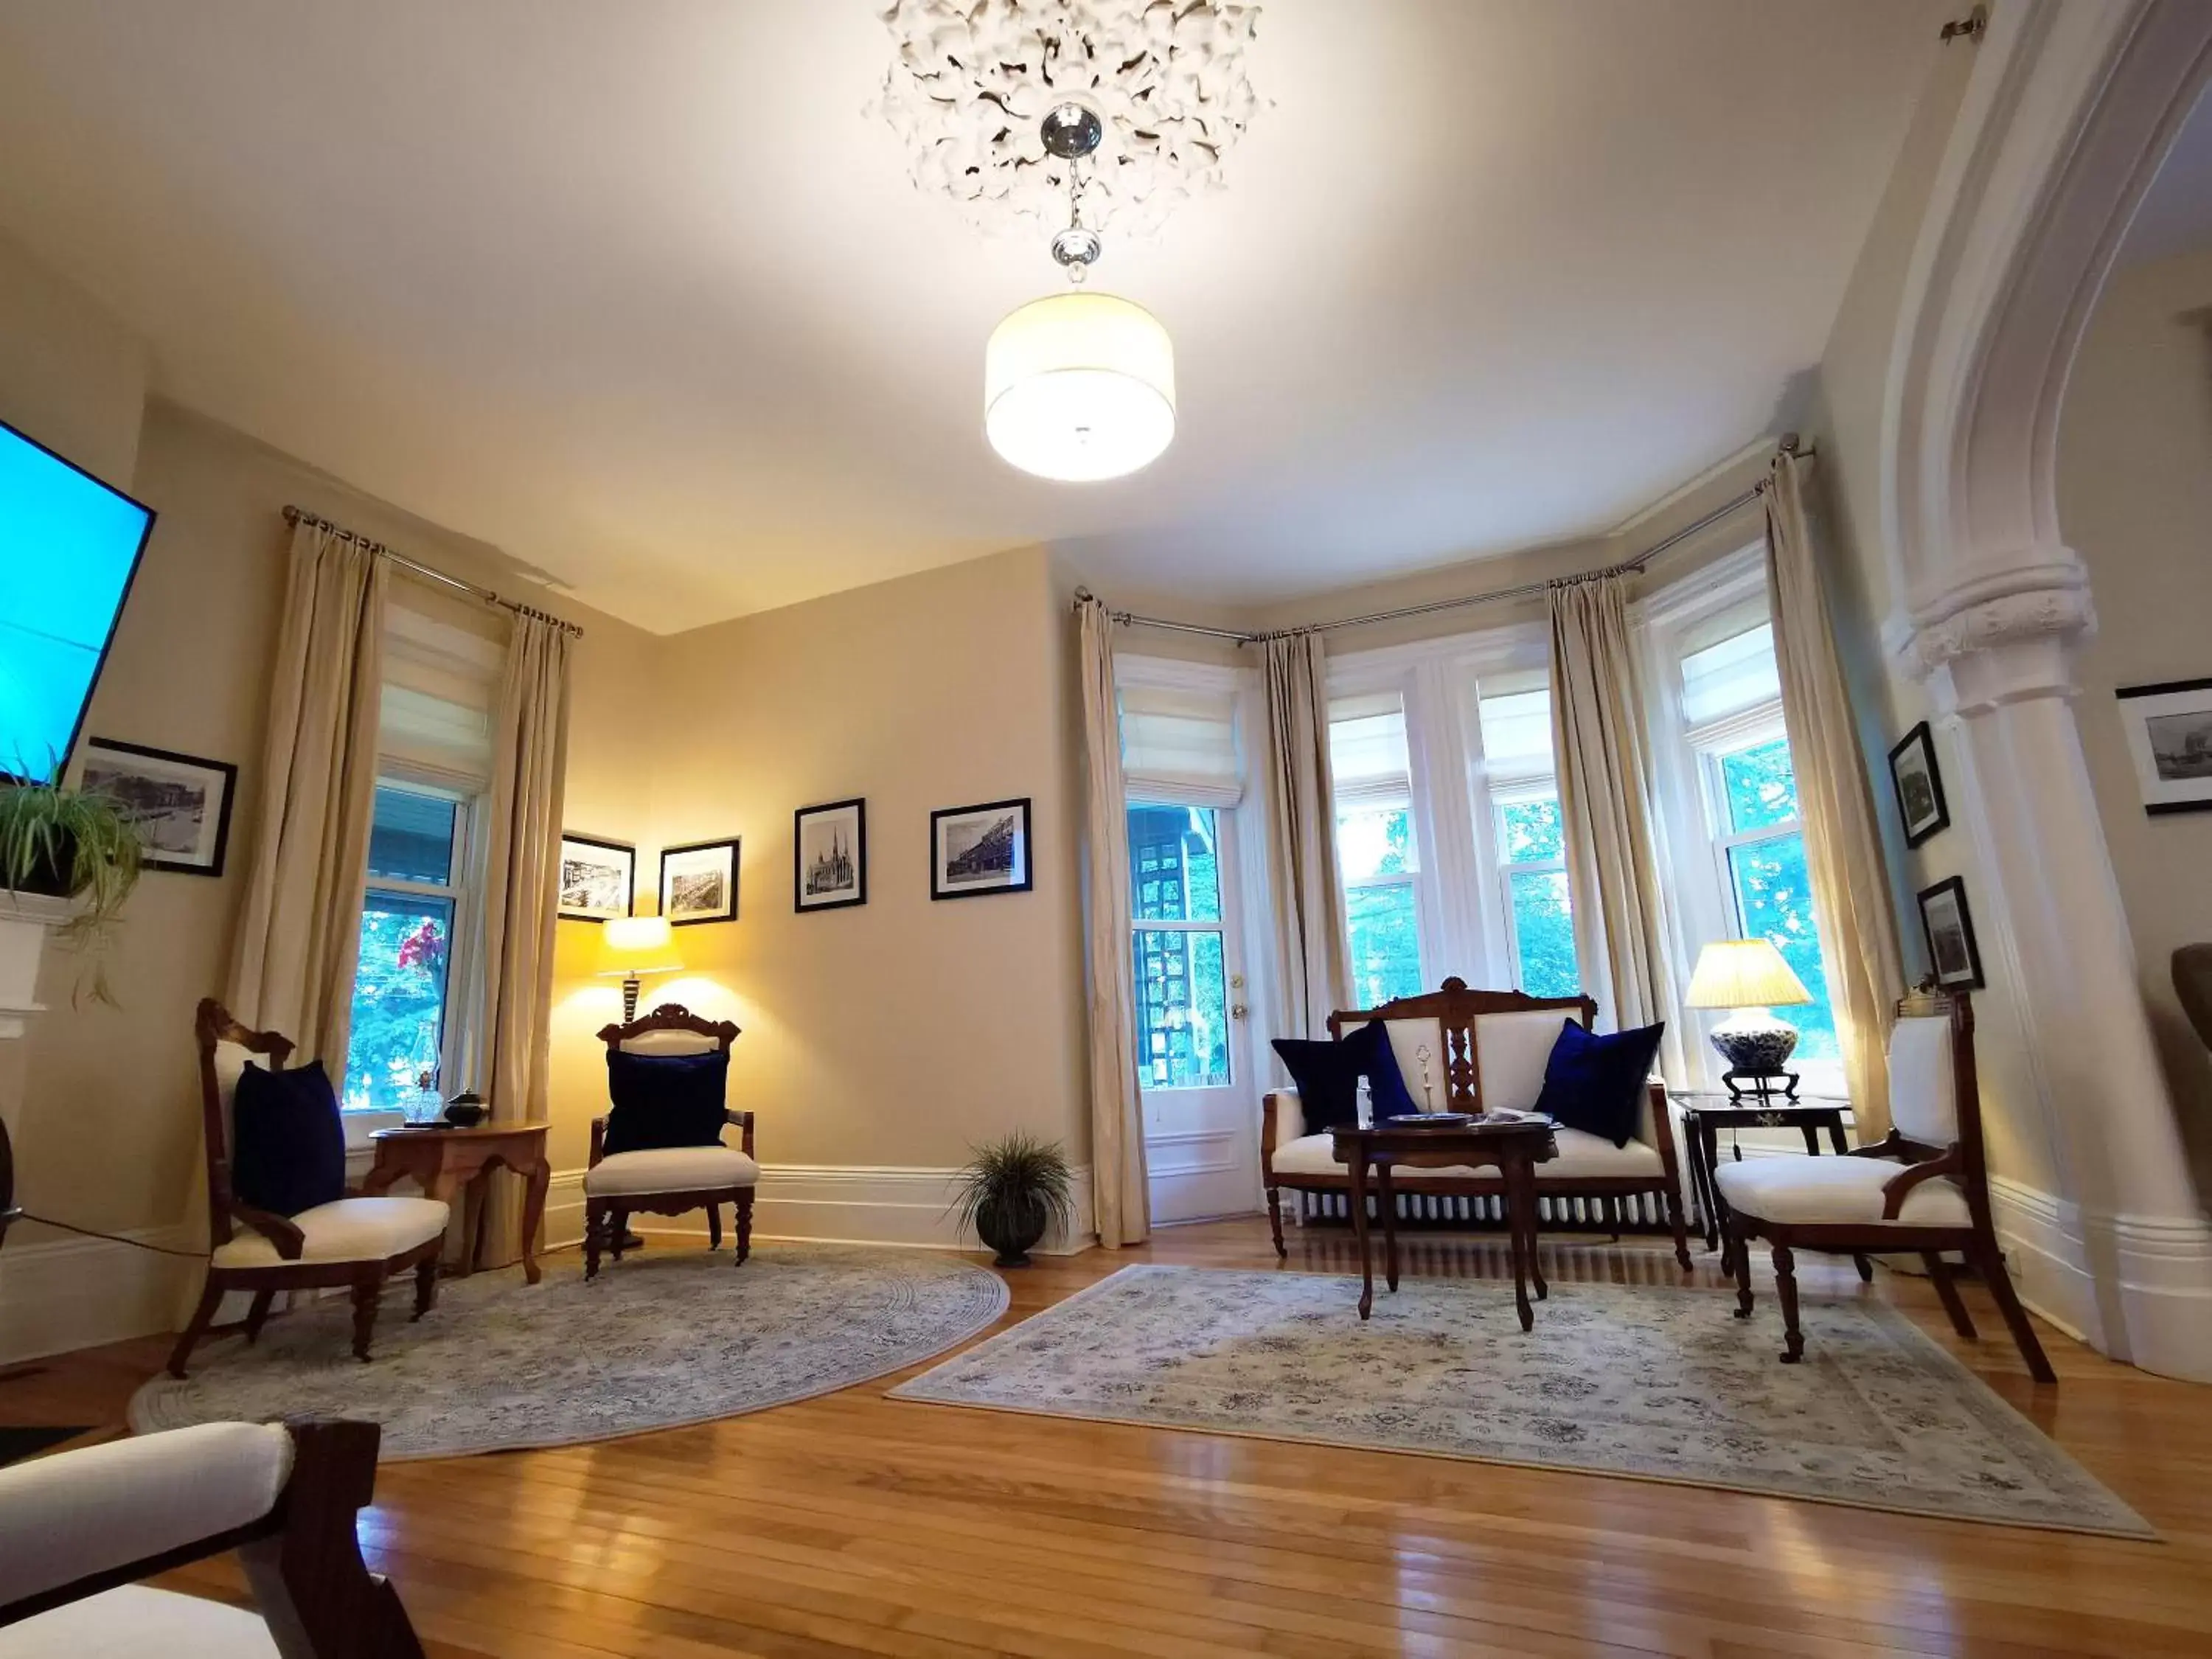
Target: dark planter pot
[[51, 876], [1009, 1226]]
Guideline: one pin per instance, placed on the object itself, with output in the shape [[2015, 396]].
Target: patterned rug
[[1655, 1383], [676, 1335]]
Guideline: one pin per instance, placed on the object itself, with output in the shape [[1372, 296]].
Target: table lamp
[[1750, 976], [634, 946]]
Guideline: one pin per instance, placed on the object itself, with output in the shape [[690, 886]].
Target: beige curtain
[[1310, 953], [299, 932], [1614, 852], [529, 737], [1842, 847], [1120, 1190]]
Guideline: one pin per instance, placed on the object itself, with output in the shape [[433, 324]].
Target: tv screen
[[69, 547]]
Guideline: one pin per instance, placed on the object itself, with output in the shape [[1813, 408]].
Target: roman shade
[[442, 660], [1179, 744], [1367, 750], [1735, 672]]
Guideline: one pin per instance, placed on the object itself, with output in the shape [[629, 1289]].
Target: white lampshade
[[1744, 973], [1079, 387], [638, 945]]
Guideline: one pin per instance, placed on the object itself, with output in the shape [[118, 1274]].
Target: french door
[[1194, 1067]]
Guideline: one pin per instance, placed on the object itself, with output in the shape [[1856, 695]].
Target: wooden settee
[[1463, 1050]]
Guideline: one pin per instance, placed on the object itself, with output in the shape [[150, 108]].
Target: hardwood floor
[[854, 1524]]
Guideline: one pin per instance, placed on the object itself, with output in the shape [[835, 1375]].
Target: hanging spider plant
[[71, 844]]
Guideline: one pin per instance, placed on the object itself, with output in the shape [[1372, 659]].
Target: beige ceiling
[[637, 292]]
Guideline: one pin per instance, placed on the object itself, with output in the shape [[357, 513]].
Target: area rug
[[675, 1335], [1649, 1381]]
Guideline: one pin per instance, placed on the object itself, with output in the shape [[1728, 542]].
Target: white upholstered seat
[[671, 1170], [348, 1230], [138, 1622], [1802, 1191], [1581, 1156]]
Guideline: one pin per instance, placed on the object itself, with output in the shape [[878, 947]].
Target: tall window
[[395, 1055], [1377, 852], [1175, 903], [1732, 702], [1530, 838]]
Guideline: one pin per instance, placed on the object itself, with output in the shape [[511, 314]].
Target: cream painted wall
[[2135, 501], [899, 1032]]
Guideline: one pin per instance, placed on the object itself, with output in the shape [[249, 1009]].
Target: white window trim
[[1508, 792]]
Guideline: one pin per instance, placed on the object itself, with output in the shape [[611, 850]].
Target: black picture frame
[[836, 898], [727, 867], [218, 778], [578, 913], [1022, 875], [1967, 976], [2168, 728], [1913, 761]]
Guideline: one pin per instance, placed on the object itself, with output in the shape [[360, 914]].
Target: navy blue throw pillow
[[287, 1145], [1327, 1077], [665, 1100], [1596, 1084], [1378, 1064]]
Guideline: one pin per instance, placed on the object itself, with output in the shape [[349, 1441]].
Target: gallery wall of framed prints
[[979, 850], [598, 879], [829, 856], [179, 804], [699, 882]]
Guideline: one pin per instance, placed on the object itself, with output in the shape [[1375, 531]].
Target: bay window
[[1514, 714], [1378, 854]]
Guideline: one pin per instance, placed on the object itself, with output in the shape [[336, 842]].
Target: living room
[[1673, 518]]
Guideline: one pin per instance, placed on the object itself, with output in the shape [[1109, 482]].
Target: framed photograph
[[598, 879], [699, 882], [975, 850], [1949, 925], [829, 855], [2169, 728], [179, 804], [1919, 785]]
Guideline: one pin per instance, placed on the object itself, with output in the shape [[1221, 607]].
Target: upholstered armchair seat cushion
[[1798, 1190], [138, 1622], [351, 1230], [1581, 1156], [670, 1170]]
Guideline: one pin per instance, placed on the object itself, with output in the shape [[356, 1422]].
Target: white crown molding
[[1757, 449]]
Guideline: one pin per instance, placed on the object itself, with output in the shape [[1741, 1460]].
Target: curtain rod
[[300, 515], [1788, 446]]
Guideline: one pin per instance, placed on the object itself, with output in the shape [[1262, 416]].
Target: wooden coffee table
[[1514, 1147], [446, 1160]]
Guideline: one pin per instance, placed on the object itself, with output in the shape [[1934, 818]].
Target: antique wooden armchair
[[1925, 1188], [668, 1180], [1464, 1051], [79, 1528], [357, 1243]]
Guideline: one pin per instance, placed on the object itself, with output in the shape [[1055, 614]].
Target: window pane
[[398, 1000], [1761, 785], [1375, 840], [1386, 943], [1183, 1010], [1544, 933], [1529, 831], [411, 837], [1736, 674], [1774, 899], [1175, 866]]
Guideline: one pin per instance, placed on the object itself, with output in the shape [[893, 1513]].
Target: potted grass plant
[[1013, 1191], [67, 844]]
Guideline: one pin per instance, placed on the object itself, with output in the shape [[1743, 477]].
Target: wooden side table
[[1516, 1148], [446, 1160], [1702, 1124]]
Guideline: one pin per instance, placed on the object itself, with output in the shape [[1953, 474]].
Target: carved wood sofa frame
[[1456, 1008], [213, 1026], [303, 1559], [606, 1220]]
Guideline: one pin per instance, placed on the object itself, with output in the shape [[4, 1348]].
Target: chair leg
[[617, 1229], [367, 1289], [1865, 1267], [713, 1227], [426, 1285], [1275, 1221], [595, 1234], [257, 1315], [1735, 1247], [1680, 1224], [1939, 1275], [1785, 1287], [744, 1225], [196, 1328], [1990, 1261]]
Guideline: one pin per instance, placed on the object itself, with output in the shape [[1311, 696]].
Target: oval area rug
[[672, 1336]]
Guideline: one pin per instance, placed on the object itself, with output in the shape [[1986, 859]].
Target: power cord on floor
[[113, 1238]]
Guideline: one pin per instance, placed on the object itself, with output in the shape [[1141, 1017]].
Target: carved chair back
[[216, 1030], [1454, 1009], [671, 1029], [1934, 1092]]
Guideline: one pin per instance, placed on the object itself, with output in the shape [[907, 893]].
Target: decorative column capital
[[2041, 602]]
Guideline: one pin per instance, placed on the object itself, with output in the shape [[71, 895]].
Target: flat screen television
[[70, 546]]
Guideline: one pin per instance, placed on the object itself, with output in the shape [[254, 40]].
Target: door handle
[[1235, 1011]]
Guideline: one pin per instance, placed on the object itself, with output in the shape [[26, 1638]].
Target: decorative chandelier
[[1125, 108]]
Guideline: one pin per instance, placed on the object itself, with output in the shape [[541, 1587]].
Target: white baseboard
[[824, 1203], [61, 1294]]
